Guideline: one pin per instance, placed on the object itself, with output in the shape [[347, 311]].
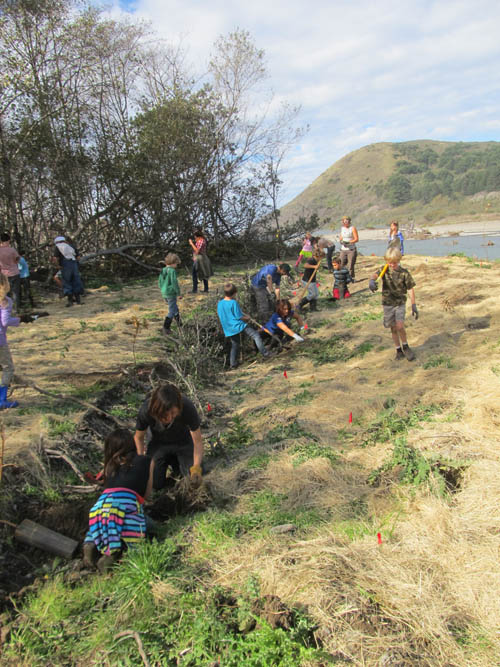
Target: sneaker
[[399, 354], [409, 353]]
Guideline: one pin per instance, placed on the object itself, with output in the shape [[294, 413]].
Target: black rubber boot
[[177, 318], [314, 305], [303, 303], [166, 325], [70, 300], [78, 300]]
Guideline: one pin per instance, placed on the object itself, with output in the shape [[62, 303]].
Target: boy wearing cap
[[65, 255], [262, 286], [396, 283]]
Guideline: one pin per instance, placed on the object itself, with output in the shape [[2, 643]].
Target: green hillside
[[423, 181]]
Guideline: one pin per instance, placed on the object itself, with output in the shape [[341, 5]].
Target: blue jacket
[[230, 315], [260, 278]]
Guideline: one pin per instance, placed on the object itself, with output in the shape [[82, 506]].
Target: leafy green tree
[[398, 189]]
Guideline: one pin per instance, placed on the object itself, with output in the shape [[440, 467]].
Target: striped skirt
[[116, 518]]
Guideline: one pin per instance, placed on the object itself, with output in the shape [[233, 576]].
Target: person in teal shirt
[[170, 290], [234, 322]]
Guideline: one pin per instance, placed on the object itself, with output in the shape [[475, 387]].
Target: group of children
[[396, 283], [117, 518]]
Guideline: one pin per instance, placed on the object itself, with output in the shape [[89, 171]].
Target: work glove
[[298, 338], [373, 285], [195, 475], [414, 310]]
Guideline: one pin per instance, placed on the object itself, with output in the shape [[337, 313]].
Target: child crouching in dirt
[[279, 323], [396, 283], [6, 320], [117, 520], [341, 278], [170, 290], [234, 322]]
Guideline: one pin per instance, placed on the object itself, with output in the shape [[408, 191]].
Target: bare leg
[[395, 336], [400, 328]]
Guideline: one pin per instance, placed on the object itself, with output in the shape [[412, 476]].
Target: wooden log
[[36, 535]]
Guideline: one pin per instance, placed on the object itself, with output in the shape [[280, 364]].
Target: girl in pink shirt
[[6, 362]]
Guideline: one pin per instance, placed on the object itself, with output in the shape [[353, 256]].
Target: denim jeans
[[15, 290], [173, 309], [329, 254], [235, 344], [72, 283], [265, 304], [195, 280]]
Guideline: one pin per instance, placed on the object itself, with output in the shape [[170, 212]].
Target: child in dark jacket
[[170, 290], [341, 278]]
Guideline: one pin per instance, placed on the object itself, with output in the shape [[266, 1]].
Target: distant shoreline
[[449, 229]]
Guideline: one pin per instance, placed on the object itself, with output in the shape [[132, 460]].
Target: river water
[[471, 245]]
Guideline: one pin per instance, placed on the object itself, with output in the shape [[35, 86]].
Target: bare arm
[[195, 249], [139, 438], [411, 292], [298, 318], [198, 447], [286, 329], [355, 237]]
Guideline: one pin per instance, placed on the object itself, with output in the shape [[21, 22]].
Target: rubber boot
[[4, 403], [166, 325], [69, 301], [302, 303], [105, 563], [78, 300], [177, 318], [90, 554], [314, 305]]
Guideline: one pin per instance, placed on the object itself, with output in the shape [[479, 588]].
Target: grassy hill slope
[[276, 559], [420, 181]]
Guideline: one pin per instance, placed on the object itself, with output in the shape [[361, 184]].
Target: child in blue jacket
[[234, 322]]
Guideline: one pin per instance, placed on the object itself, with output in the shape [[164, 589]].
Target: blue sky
[[362, 71]]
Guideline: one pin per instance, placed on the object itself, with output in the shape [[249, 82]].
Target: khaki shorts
[[393, 314]]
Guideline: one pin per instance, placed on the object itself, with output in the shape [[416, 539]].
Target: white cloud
[[363, 71]]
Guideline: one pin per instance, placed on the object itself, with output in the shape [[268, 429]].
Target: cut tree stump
[[36, 535]]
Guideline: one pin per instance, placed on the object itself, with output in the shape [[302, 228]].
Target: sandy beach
[[442, 229]]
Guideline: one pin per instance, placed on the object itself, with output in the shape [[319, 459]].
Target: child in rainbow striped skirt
[[117, 521]]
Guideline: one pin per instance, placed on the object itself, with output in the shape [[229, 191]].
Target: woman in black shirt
[[174, 425]]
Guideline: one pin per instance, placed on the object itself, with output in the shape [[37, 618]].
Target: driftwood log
[[38, 536]]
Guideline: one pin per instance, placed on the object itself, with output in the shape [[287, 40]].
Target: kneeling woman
[[117, 521], [279, 323]]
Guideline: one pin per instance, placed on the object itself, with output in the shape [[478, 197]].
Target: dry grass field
[[394, 539]]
